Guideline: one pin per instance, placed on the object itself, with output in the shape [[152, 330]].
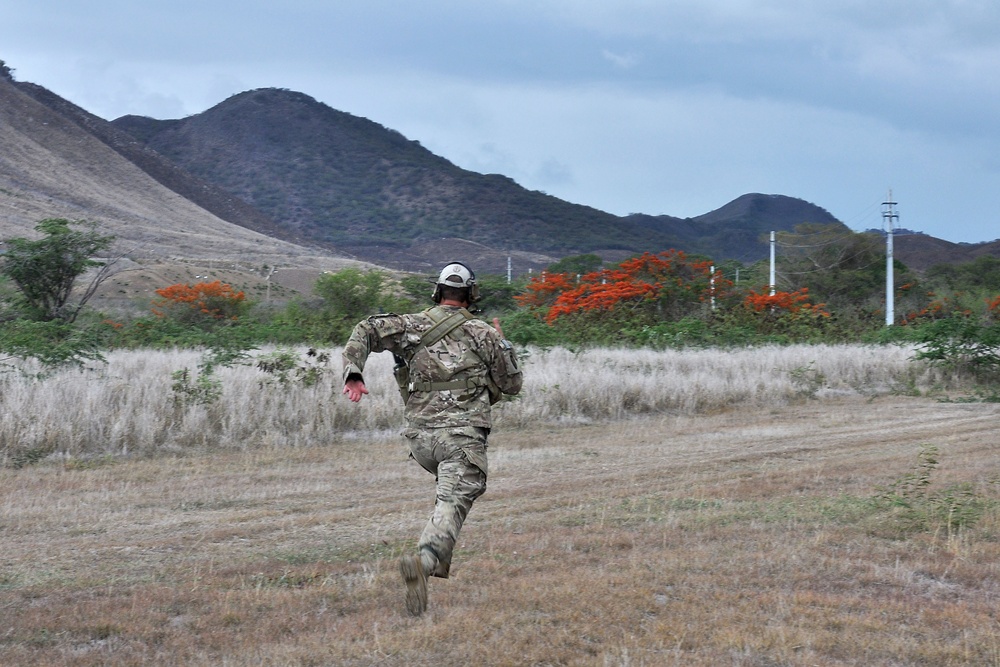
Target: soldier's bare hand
[[355, 389], [496, 325]]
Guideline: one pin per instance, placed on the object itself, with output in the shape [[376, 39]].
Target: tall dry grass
[[128, 407]]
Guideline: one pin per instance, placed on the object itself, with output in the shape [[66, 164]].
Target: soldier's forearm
[[353, 370]]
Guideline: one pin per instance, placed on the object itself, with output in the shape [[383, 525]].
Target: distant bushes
[[662, 301]]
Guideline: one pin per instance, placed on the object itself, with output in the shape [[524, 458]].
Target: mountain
[[920, 251], [272, 178], [55, 163], [209, 197], [739, 229], [349, 183]]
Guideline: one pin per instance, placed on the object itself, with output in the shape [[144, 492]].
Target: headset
[[467, 276]]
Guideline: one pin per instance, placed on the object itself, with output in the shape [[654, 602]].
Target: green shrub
[[52, 344], [964, 343], [45, 270]]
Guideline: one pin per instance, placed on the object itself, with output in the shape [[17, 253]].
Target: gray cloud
[[627, 105]]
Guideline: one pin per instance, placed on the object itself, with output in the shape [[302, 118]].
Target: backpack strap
[[468, 383], [442, 328]]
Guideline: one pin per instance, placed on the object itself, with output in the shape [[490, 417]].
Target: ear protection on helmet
[[456, 274]]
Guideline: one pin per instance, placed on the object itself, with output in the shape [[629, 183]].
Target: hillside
[[274, 178], [339, 179], [52, 165], [920, 252], [739, 229]]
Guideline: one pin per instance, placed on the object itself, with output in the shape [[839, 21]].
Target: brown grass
[[745, 537], [128, 406]]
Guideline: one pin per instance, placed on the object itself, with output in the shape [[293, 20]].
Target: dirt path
[[674, 453]]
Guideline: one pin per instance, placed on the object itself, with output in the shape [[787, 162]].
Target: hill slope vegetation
[[273, 172], [350, 182]]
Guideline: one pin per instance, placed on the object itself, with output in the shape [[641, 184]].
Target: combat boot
[[415, 578]]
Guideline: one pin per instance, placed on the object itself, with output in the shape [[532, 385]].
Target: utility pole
[[772, 263], [889, 216], [711, 283], [267, 281]]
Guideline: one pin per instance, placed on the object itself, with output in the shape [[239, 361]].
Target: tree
[[200, 303], [345, 297], [615, 305], [846, 271], [965, 341], [497, 295], [51, 344], [45, 270], [982, 272], [667, 285], [577, 264]]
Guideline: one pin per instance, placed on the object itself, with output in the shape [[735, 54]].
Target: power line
[[836, 239], [820, 269], [843, 260], [866, 214]]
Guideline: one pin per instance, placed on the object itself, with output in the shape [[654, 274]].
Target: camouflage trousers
[[457, 458]]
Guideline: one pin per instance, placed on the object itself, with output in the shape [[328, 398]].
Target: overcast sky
[[654, 106]]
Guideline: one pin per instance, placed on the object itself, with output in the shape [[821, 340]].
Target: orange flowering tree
[[993, 309], [784, 315], [937, 308], [784, 303], [638, 292], [665, 284], [200, 303]]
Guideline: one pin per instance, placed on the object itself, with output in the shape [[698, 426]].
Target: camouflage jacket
[[472, 355]]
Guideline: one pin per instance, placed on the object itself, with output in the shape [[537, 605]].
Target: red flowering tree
[[939, 307], [784, 303], [959, 338], [201, 302], [648, 288], [788, 315]]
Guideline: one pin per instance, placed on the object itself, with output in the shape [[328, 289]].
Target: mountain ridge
[[348, 181], [322, 184], [51, 166], [352, 182]]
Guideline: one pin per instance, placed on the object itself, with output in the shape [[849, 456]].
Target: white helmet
[[456, 274]]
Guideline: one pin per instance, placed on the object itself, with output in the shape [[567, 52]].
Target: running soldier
[[450, 368]]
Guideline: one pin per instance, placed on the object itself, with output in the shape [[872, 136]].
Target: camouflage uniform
[[446, 427]]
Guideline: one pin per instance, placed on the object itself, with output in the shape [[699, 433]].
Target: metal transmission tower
[[889, 216]]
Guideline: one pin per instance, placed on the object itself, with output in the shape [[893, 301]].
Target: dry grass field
[[650, 509]]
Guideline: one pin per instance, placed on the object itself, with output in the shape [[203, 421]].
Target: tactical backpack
[[440, 329]]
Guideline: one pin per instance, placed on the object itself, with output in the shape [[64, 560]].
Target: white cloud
[[622, 60]]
